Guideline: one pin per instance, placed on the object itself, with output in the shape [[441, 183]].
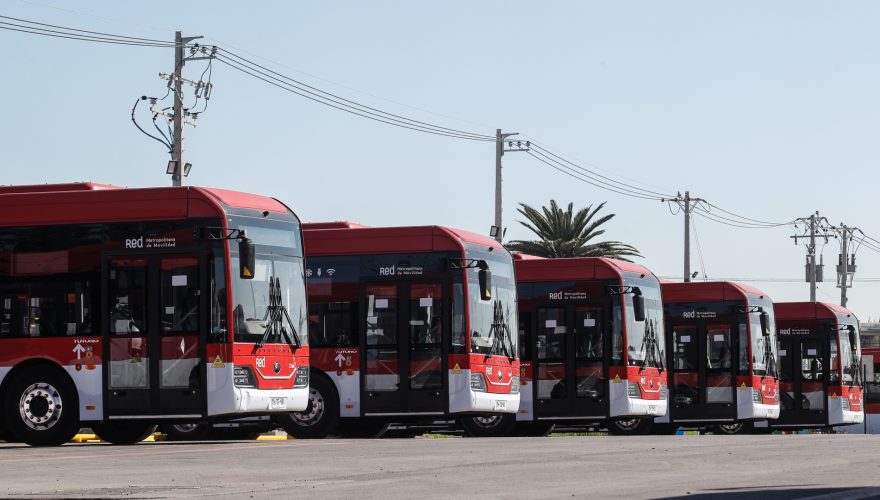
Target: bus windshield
[[493, 322], [645, 339], [279, 260], [763, 348], [849, 357]]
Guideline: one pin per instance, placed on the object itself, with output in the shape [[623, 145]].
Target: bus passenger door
[[153, 335], [591, 381], [405, 364], [720, 382], [811, 371], [686, 396], [551, 373]]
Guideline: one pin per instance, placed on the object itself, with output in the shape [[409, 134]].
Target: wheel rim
[[731, 428], [185, 428], [40, 406], [315, 411], [488, 422], [627, 425]]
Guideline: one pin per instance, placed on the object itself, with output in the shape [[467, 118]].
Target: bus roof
[[810, 310], [532, 268], [49, 188], [707, 291], [345, 238], [95, 203]]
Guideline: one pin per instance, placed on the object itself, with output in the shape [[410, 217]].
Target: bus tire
[[361, 428], [185, 432], [41, 406], [123, 433], [489, 425], [320, 418], [533, 429], [630, 426], [734, 428]]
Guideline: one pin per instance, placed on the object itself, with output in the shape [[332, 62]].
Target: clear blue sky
[[766, 109]]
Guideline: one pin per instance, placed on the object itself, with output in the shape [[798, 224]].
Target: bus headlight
[[844, 404], [302, 377], [664, 392], [243, 376], [478, 383], [632, 390], [514, 385], [756, 396]]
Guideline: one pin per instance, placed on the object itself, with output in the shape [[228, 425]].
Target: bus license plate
[[500, 405], [278, 403], [652, 409]]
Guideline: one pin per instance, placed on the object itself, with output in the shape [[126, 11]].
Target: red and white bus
[[871, 369], [124, 308], [820, 373], [591, 345], [722, 358], [406, 324]]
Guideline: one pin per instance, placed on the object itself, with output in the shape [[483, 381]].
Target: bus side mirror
[[247, 257], [765, 324], [485, 278], [638, 304], [853, 340]]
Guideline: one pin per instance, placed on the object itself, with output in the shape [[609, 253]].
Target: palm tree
[[568, 234]]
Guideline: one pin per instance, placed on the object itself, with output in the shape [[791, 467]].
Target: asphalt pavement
[[778, 466]]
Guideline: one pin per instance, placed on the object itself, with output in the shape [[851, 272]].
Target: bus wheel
[[489, 425], [533, 429], [185, 432], [41, 407], [356, 428], [320, 418], [734, 428], [630, 426], [123, 433]]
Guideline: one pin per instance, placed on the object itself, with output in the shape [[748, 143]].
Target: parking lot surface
[[790, 466]]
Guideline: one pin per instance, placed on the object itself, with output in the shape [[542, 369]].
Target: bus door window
[[382, 372], [426, 336], [743, 356], [552, 332], [719, 379], [525, 336], [786, 375], [129, 354], [685, 365], [589, 350], [180, 297], [812, 375]]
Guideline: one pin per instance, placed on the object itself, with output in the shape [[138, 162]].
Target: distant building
[[870, 334]]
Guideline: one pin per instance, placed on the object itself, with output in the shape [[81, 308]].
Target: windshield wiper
[[651, 348], [276, 316], [500, 333]]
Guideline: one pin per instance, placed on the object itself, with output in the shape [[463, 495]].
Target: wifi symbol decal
[[330, 272]]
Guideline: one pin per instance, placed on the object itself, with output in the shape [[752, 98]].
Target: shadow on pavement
[[783, 493]]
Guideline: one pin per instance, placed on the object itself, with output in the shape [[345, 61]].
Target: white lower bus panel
[[463, 399], [748, 409], [623, 405], [226, 399]]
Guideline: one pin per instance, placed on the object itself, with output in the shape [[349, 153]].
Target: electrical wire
[[339, 101], [83, 31], [575, 174], [75, 36], [133, 120], [333, 104], [699, 248], [593, 173]]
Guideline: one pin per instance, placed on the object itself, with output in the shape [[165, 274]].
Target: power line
[[261, 75], [314, 93]]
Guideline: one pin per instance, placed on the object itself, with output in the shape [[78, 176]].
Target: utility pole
[[179, 113], [177, 152], [814, 272], [846, 268], [686, 203], [497, 230]]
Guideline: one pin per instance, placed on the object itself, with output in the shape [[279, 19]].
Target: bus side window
[[459, 335], [46, 310]]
